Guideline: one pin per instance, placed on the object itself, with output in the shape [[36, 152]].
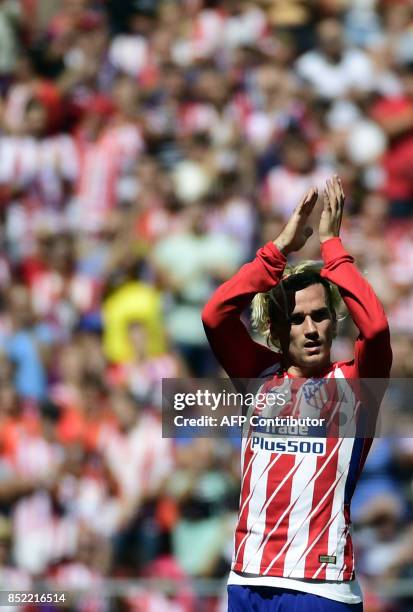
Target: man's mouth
[[313, 346]]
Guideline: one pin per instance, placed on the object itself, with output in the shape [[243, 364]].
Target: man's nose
[[309, 326]]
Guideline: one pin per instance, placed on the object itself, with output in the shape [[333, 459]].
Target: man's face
[[307, 338], [330, 38], [298, 157]]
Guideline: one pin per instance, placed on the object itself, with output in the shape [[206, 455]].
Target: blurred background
[[147, 149]]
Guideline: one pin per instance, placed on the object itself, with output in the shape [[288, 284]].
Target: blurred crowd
[[147, 149]]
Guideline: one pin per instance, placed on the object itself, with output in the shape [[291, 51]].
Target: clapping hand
[[332, 214], [297, 231]]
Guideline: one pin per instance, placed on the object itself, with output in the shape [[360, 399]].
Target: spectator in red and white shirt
[[108, 146], [298, 171], [395, 116]]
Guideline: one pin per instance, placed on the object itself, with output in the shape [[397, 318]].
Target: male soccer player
[[293, 548]]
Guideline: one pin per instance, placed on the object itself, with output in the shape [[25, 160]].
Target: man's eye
[[321, 315], [297, 319]]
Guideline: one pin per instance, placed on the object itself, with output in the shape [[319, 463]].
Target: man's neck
[[302, 372]]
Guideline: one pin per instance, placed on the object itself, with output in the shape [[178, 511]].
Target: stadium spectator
[[333, 70]]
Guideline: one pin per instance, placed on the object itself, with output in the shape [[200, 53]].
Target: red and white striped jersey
[[41, 165], [294, 516], [283, 187], [102, 164], [139, 459]]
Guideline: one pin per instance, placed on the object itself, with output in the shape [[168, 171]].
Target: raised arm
[[373, 355], [238, 354]]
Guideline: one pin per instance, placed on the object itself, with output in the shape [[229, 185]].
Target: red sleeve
[[238, 354], [388, 107], [373, 355]]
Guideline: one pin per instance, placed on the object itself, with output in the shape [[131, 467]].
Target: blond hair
[[272, 306]]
